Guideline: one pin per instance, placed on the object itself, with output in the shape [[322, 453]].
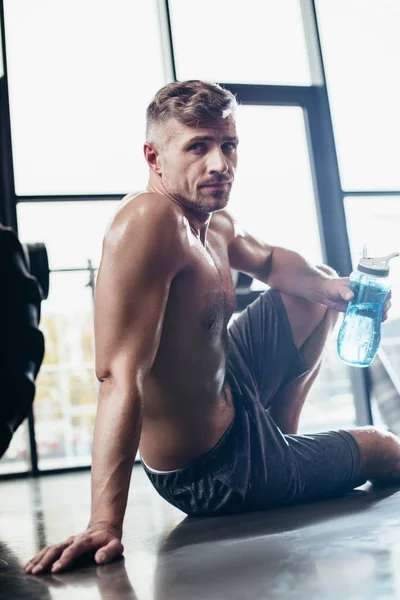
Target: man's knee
[[304, 316]]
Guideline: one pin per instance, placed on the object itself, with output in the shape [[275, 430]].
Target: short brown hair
[[192, 103]]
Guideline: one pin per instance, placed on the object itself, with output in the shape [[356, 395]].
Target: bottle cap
[[378, 266]]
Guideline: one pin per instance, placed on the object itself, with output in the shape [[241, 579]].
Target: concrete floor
[[347, 548]]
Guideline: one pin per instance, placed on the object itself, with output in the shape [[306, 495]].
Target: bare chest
[[217, 298], [205, 289]]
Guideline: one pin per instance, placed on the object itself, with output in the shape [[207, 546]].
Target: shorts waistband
[[156, 471]]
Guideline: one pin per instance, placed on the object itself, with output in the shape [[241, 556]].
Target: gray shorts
[[255, 466]]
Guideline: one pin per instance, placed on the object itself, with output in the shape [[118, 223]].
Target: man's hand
[[337, 294], [387, 306], [101, 539]]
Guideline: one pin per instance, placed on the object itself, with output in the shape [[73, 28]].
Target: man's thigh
[[262, 354]]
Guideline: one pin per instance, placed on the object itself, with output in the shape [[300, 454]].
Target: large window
[[257, 41], [273, 191], [361, 45], [81, 74], [66, 387], [72, 231]]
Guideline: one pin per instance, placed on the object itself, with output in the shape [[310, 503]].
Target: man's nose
[[217, 162]]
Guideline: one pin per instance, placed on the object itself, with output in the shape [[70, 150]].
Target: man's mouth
[[218, 185]]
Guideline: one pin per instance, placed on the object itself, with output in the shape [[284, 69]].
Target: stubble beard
[[213, 201], [203, 202]]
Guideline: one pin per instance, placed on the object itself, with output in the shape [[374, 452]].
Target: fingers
[[70, 554], [102, 543], [41, 561], [60, 556], [339, 289], [109, 552], [386, 309], [346, 294]]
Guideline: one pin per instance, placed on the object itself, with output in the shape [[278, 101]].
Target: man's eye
[[197, 146], [229, 147]]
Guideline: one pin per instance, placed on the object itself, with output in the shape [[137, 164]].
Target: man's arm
[[142, 254], [282, 269]]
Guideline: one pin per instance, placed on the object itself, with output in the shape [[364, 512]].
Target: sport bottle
[[360, 334]]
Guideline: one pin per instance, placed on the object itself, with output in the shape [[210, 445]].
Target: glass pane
[[66, 393], [361, 48], [273, 193], [72, 231], [258, 41], [80, 77], [273, 190], [376, 221], [17, 458]]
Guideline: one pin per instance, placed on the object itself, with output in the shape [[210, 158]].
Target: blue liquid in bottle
[[360, 334]]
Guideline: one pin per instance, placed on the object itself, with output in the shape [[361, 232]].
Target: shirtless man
[[214, 409]]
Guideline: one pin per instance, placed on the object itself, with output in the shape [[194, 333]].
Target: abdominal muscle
[[186, 428]]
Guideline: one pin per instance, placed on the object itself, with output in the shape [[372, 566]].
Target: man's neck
[[198, 222]]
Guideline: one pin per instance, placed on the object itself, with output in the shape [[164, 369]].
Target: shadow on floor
[[278, 520], [14, 584], [106, 582], [307, 551]]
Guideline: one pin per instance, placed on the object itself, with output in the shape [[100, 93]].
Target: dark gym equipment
[[38, 265], [21, 342]]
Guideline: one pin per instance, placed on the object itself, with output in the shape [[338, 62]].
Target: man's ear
[[152, 156]]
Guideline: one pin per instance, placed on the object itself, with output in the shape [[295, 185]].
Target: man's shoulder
[[145, 213], [223, 224], [147, 228]]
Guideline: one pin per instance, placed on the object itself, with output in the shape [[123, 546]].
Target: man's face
[[198, 164]]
